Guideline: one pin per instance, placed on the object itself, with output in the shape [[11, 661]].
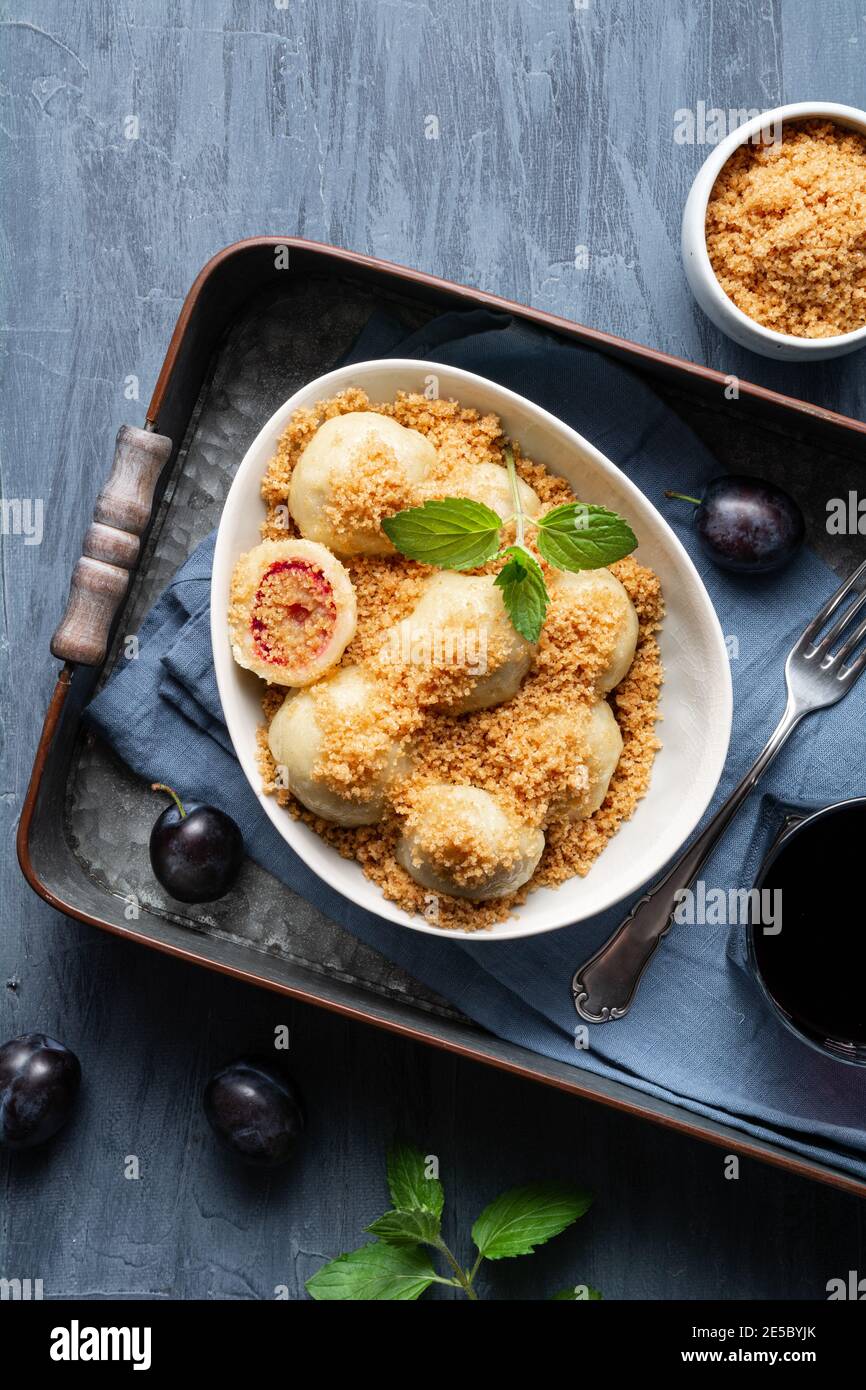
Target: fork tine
[[839, 626], [850, 674], [851, 645], [831, 606]]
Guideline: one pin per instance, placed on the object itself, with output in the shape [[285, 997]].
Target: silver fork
[[817, 676]]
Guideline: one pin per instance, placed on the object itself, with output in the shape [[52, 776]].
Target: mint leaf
[[455, 534], [410, 1188], [375, 1273], [525, 1217], [580, 1293], [577, 536], [524, 592], [407, 1228]]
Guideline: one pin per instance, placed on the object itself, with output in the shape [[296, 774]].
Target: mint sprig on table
[[397, 1266], [459, 534]]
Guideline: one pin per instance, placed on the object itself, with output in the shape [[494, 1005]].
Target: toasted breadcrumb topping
[[786, 230], [357, 743], [522, 752], [459, 845], [374, 486]]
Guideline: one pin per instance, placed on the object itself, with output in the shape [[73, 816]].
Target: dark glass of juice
[[813, 970]]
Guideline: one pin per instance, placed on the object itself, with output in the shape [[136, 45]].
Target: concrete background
[[556, 131]]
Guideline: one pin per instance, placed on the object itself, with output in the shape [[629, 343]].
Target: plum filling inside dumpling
[[293, 613]]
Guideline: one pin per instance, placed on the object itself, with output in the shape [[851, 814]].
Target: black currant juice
[[814, 969]]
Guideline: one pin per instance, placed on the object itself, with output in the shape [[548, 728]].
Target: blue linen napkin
[[699, 1034]]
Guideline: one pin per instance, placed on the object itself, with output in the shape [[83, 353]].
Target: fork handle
[[605, 986]]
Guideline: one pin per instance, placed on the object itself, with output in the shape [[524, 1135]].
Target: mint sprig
[[524, 592], [455, 534], [459, 534], [520, 1220], [375, 1273], [411, 1186], [577, 536], [396, 1267], [406, 1228]]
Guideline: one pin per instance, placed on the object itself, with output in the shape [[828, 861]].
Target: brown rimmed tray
[[251, 331]]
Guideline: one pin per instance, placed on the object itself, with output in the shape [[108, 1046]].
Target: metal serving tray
[[250, 333]]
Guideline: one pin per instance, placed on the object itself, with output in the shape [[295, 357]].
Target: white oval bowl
[[696, 700], [723, 312]]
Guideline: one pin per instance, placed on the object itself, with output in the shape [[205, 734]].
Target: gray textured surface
[[555, 128]]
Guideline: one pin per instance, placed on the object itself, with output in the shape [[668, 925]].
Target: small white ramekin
[[699, 271]]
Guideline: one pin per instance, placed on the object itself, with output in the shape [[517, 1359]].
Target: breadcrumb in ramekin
[[786, 230]]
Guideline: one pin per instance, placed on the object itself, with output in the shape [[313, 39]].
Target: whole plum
[[196, 851], [746, 524], [39, 1081], [254, 1109]]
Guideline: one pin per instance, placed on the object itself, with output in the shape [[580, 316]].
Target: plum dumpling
[[601, 602], [460, 621], [357, 469], [482, 482], [460, 842], [292, 611], [333, 749], [593, 735]]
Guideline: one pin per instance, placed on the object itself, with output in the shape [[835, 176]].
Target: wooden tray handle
[[111, 546]]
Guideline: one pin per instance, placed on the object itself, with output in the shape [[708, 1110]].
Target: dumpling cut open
[[292, 611]]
